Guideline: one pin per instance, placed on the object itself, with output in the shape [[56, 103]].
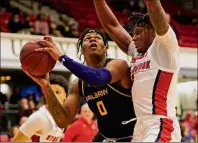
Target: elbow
[[110, 28], [63, 123]]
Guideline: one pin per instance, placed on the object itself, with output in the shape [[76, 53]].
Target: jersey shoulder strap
[[81, 87], [107, 61]]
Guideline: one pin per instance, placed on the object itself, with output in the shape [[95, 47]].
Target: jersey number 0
[[101, 108]]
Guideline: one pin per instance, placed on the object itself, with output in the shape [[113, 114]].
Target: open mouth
[[93, 45]]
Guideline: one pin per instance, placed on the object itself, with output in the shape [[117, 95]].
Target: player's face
[[93, 45], [143, 38], [60, 92]]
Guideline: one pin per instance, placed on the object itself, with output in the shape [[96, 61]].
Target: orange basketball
[[37, 63]]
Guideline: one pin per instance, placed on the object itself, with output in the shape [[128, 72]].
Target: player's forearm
[[157, 16], [97, 77], [61, 115], [105, 15]]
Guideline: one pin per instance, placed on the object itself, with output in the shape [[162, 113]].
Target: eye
[[97, 38], [57, 92], [87, 38]]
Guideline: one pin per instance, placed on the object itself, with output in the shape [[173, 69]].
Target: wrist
[[45, 86], [62, 58]]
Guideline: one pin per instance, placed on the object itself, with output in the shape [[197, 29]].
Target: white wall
[[11, 45]]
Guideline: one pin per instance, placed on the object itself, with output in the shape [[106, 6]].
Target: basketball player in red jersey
[[40, 126], [154, 72]]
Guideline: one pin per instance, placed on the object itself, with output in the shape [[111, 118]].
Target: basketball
[[37, 63]]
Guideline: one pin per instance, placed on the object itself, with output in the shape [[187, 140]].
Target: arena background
[[22, 20]]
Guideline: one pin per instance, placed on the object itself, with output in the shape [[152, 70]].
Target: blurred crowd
[[20, 22], [41, 24]]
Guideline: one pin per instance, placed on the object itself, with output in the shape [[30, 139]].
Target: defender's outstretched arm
[[112, 26], [157, 16]]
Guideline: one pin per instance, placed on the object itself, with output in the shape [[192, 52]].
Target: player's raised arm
[[157, 16], [63, 115], [93, 76], [112, 26]]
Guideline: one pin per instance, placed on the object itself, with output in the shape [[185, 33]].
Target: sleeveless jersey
[[49, 131], [111, 105], [155, 77]]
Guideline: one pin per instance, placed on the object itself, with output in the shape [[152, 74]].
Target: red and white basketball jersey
[[41, 127], [155, 77]]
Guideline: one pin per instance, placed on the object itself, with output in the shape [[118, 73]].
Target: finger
[[48, 38], [28, 74], [46, 43], [45, 49], [25, 71]]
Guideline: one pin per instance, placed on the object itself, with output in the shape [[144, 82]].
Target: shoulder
[[118, 65], [168, 36], [75, 87], [38, 116], [75, 84], [118, 62]]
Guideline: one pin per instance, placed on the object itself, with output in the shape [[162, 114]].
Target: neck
[[96, 61], [88, 121]]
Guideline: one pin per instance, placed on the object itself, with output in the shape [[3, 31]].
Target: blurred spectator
[[15, 24], [41, 25], [15, 97], [14, 130], [181, 18], [54, 31], [4, 138], [83, 129], [27, 23], [65, 30], [24, 104], [24, 108], [134, 6], [188, 126], [32, 105], [142, 6], [41, 102], [3, 98], [74, 28]]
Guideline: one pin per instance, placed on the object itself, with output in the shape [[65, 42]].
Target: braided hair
[[138, 19], [80, 40]]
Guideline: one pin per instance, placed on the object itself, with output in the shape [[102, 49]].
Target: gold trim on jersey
[[101, 93], [118, 91], [83, 89]]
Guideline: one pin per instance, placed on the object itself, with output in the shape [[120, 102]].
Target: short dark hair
[[80, 40], [60, 80], [138, 19]]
